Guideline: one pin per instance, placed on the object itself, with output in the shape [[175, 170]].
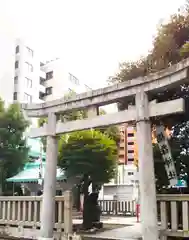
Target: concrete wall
[[123, 187], [123, 192], [61, 82], [126, 174]]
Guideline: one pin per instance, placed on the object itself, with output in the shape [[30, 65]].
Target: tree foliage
[[13, 148], [90, 153], [91, 156], [170, 46]]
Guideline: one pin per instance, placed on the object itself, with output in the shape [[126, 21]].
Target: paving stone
[[122, 233]]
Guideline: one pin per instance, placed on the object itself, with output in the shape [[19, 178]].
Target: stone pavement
[[132, 231]]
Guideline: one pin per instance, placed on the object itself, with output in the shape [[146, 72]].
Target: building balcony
[[41, 95], [42, 88], [131, 139], [131, 147], [130, 155], [42, 81], [42, 74], [122, 151], [121, 159]]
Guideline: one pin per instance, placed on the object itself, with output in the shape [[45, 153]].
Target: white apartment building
[[25, 79], [59, 81], [27, 74]]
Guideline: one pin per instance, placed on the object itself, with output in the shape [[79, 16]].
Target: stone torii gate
[[141, 113]]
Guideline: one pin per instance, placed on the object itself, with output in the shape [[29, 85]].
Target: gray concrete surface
[[132, 231]]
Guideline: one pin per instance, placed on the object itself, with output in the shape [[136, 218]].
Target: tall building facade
[[25, 79], [27, 74], [58, 81], [128, 147]]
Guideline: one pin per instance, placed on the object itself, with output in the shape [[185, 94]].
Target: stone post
[[68, 213], [146, 169], [49, 189]]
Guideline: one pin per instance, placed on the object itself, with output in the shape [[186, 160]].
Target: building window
[[130, 173], [15, 79], [28, 83], [130, 143], [49, 75], [48, 91], [30, 51], [27, 98], [41, 81], [15, 96], [17, 49], [130, 151], [130, 134], [41, 95], [16, 64], [73, 79], [29, 67]]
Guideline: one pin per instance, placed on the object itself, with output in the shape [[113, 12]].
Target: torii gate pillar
[[146, 169], [49, 189]]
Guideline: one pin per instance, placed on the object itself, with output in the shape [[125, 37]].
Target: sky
[[92, 36]]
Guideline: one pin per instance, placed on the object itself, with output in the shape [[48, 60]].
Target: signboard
[[166, 154], [181, 184]]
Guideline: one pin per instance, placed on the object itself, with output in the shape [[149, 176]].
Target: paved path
[[127, 233], [113, 220], [124, 233]]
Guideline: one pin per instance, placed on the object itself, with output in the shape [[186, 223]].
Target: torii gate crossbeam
[[141, 113]]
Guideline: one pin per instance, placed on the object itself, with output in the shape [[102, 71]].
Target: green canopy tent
[[31, 173], [34, 170]]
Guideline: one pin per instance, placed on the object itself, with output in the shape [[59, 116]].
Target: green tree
[[169, 47], [91, 155], [13, 149], [112, 132]]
